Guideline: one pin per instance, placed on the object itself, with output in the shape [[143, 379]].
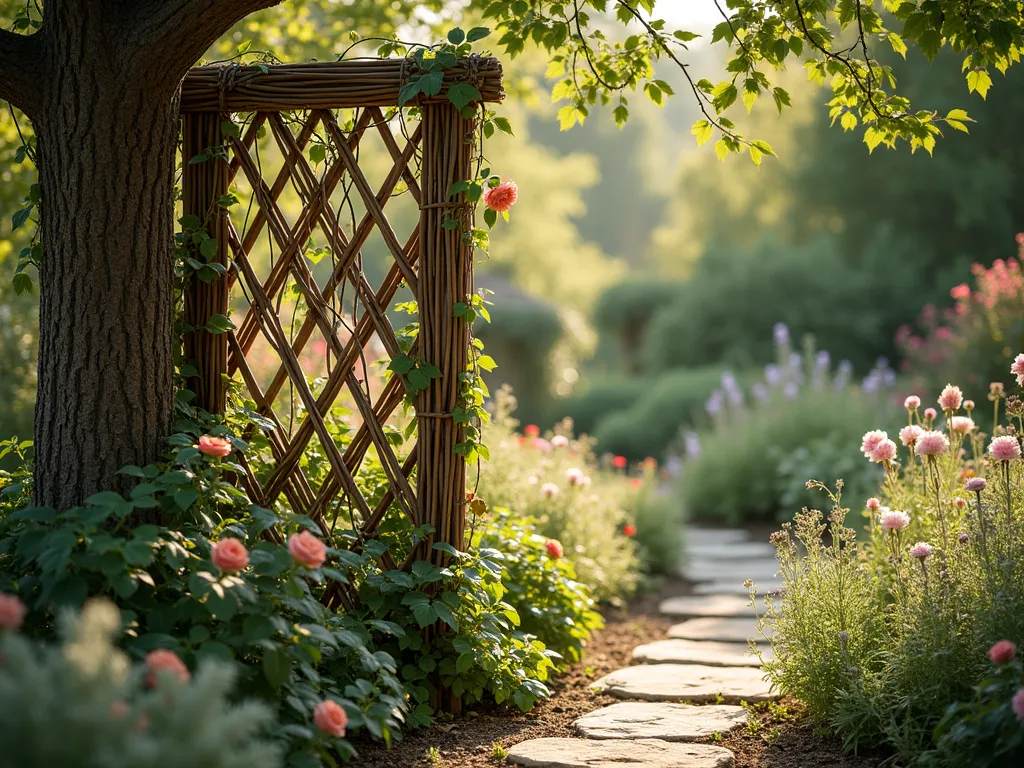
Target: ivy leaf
[[462, 94], [22, 283], [219, 324], [477, 33], [317, 153], [20, 217], [456, 36], [402, 364], [209, 248], [431, 83]]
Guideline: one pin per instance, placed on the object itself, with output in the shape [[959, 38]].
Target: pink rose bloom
[[883, 452], [961, 425], [931, 443], [930, 414], [874, 504], [909, 435], [1017, 369], [12, 612], [330, 718], [1002, 652], [162, 660], [912, 403], [976, 484], [559, 441], [871, 441], [893, 520], [229, 555], [554, 548], [1018, 704], [951, 398], [501, 197], [1004, 448], [549, 490], [214, 446], [574, 475], [921, 550], [307, 549]]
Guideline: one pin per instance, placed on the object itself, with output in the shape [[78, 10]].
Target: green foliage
[[601, 397], [552, 604], [85, 705], [624, 311], [658, 517]]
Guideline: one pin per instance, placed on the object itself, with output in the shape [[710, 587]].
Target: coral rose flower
[[307, 549], [330, 718], [12, 612], [501, 197], [162, 660], [554, 548], [229, 555], [1002, 652], [1018, 704], [214, 446]]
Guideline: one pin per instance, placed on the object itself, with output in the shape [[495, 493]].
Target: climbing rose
[[874, 504], [930, 414], [976, 484], [871, 440], [629, 530], [12, 612], [531, 430], [559, 441], [1002, 652], [554, 548], [1018, 704], [921, 550], [912, 403], [307, 549], [951, 398], [893, 519], [884, 451], [909, 435], [574, 475], [330, 718], [501, 197], [1017, 369], [931, 443], [1004, 448], [229, 555], [549, 490], [961, 425], [620, 462], [162, 660], [214, 446]]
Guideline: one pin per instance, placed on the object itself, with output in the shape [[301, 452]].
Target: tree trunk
[[107, 141]]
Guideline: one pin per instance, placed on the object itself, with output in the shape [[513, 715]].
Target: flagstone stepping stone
[[687, 682], [706, 536], [741, 550], [722, 630], [616, 753], [670, 722], [710, 605], [704, 569], [735, 587], [709, 652]]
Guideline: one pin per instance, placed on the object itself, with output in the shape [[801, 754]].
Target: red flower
[[554, 548], [619, 462], [629, 530], [531, 430], [636, 482], [1002, 652]]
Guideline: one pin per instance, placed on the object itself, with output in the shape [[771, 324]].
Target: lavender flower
[[780, 332]]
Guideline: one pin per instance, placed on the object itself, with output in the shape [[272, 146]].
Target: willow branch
[[20, 69]]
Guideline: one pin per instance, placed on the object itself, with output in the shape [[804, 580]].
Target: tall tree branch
[[20, 69]]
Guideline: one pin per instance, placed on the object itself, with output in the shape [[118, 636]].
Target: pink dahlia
[[921, 550], [874, 504], [976, 484], [912, 403], [893, 519], [1004, 448], [951, 398], [883, 452], [501, 197], [962, 425], [931, 443], [871, 440], [1002, 652], [1017, 369], [1018, 704], [909, 435], [930, 414]]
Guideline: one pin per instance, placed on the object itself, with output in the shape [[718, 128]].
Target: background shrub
[[603, 396], [623, 312], [660, 533]]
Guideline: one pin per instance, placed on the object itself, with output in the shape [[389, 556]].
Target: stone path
[[705, 658]]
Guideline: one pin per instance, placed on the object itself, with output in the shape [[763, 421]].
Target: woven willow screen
[[291, 201]]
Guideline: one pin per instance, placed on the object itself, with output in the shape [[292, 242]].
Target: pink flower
[[629, 530], [893, 520], [531, 430], [541, 444], [307, 549], [871, 440], [501, 197], [1018, 704], [574, 475], [554, 548], [162, 660], [921, 550], [976, 484], [960, 502], [968, 405], [1004, 448], [1017, 369], [962, 291], [883, 452], [330, 718], [229, 555], [12, 612], [559, 441], [620, 462], [585, 481], [909, 435], [961, 425], [1002, 652], [549, 490], [874, 504], [912, 403], [214, 446], [930, 414], [951, 398], [931, 443], [636, 482]]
